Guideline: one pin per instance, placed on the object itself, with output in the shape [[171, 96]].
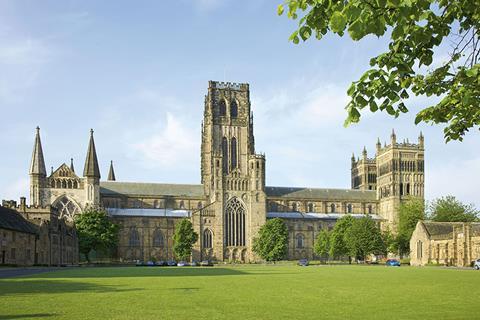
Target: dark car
[[303, 262], [392, 263], [171, 263], [206, 263], [161, 263]]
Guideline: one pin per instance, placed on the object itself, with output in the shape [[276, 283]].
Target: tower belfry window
[[222, 108], [225, 155], [233, 151], [233, 109]]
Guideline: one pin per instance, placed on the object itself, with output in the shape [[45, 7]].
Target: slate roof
[[10, 219], [320, 216], [444, 230], [151, 189], [320, 193], [115, 212]]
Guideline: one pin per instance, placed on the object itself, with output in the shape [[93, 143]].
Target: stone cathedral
[[233, 201]]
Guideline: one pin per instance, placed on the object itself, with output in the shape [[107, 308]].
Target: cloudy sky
[[137, 75]]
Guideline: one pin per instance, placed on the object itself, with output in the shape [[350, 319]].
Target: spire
[[353, 157], [71, 165], [393, 137], [91, 163], [421, 139], [111, 172], [37, 165], [364, 152]]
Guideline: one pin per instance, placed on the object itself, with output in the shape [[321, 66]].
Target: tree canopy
[[449, 209], [183, 239], [95, 231], [338, 245], [271, 244], [322, 244], [364, 238], [410, 212], [417, 29]]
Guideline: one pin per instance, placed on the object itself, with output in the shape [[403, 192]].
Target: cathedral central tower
[[233, 176]]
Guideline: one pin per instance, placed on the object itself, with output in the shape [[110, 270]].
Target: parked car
[[392, 263], [206, 263], [476, 264], [193, 264], [150, 263], [161, 263], [138, 263], [303, 262], [171, 263], [182, 264]]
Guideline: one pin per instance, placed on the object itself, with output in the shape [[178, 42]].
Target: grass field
[[244, 292]]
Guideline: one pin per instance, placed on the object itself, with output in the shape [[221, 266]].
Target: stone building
[[232, 201], [35, 235], [445, 243]]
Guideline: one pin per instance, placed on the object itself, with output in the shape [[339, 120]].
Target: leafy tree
[[418, 28], [183, 239], [411, 211], [272, 241], [95, 231], [364, 238], [338, 245], [450, 209], [322, 244], [390, 241]]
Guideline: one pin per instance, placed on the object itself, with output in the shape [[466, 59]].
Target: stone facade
[[232, 202], [445, 243], [36, 235]]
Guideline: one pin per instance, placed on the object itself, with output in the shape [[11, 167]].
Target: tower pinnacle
[[91, 163], [111, 173], [37, 166]]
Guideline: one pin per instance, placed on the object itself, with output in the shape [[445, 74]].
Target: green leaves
[[183, 239], [338, 21], [418, 28], [271, 244]]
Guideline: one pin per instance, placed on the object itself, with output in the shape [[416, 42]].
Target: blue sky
[[137, 74]]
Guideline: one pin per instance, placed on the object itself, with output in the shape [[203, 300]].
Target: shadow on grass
[[133, 272], [26, 316], [54, 286]]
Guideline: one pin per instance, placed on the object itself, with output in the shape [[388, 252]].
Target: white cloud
[[170, 145]]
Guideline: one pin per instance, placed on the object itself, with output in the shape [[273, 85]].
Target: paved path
[[18, 272]]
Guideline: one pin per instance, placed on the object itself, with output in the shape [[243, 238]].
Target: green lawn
[[244, 292]]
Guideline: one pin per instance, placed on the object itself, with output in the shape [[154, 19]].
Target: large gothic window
[[233, 151], [235, 223], [134, 238], [207, 239], [300, 241], [225, 155], [66, 208], [233, 109], [222, 107], [158, 238]]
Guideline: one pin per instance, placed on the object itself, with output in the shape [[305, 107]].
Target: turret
[[364, 153], [379, 145], [393, 137], [421, 140], [91, 172], [111, 173], [38, 173], [71, 165]]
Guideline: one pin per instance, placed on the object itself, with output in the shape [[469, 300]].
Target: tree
[[272, 241], [95, 231], [450, 209], [364, 238], [410, 212], [417, 28], [338, 246], [183, 239], [322, 244]]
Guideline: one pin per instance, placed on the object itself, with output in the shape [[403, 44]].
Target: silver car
[[476, 264]]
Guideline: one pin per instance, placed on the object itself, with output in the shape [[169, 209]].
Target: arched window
[[401, 189], [273, 206], [134, 238], [155, 204], [408, 189], [207, 239], [233, 153], [182, 205], [158, 238], [369, 209], [349, 208], [300, 241], [310, 207], [235, 223], [225, 155], [199, 205], [294, 206], [332, 207], [66, 208], [233, 109], [222, 107]]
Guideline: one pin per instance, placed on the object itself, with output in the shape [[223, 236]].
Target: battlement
[[228, 85], [23, 207], [260, 156]]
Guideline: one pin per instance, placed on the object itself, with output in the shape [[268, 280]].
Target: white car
[[476, 265]]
